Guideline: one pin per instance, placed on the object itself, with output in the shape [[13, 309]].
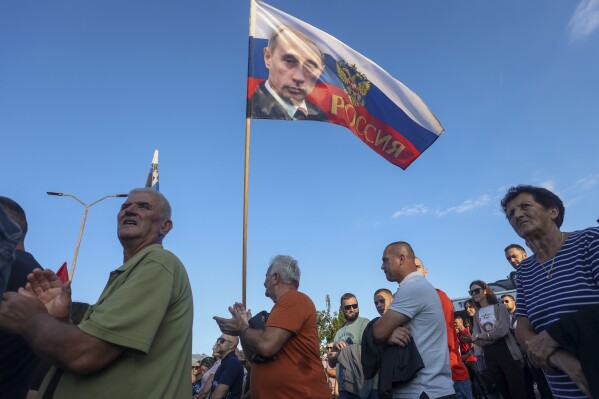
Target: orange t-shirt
[[296, 371], [459, 372]]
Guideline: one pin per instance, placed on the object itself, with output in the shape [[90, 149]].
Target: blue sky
[[88, 90]]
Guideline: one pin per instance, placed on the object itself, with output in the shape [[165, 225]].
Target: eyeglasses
[[475, 291], [221, 340], [195, 367], [353, 306]]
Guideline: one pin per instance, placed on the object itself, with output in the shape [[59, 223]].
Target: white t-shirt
[[486, 318]]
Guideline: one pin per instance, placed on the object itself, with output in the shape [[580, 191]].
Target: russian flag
[[348, 89]]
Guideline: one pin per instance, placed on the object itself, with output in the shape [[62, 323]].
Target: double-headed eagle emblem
[[356, 84]]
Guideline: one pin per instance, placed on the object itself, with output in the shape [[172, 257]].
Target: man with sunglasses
[[228, 379], [330, 371], [347, 336], [208, 377], [510, 304]]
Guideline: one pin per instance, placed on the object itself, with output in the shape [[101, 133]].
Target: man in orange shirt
[[290, 333], [459, 372]]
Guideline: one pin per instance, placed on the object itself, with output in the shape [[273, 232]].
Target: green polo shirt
[[146, 307]]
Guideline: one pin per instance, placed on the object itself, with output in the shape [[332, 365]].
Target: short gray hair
[[287, 269], [165, 207]]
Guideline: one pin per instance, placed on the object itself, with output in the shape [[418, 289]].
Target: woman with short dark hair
[[560, 278]]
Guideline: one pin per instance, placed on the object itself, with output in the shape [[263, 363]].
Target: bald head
[[226, 344], [420, 266], [398, 261], [234, 340], [401, 247]]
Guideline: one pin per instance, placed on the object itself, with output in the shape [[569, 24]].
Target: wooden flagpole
[[245, 208], [246, 174]]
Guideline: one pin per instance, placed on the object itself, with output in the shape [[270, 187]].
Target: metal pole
[[72, 272]]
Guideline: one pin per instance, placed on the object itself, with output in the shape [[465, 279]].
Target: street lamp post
[[82, 222]]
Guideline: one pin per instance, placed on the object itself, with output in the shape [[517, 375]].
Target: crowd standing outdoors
[[135, 342]]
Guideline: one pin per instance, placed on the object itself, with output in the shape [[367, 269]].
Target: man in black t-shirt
[[17, 360], [228, 379]]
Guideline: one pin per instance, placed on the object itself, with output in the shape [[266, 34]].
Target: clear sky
[[89, 89]]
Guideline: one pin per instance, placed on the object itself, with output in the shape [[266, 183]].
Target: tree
[[327, 324]]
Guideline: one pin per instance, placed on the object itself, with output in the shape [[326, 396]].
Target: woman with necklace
[[560, 278], [491, 331]]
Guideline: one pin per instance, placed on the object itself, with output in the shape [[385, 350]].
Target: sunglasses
[[195, 367], [475, 291], [348, 307], [329, 348], [221, 340], [506, 301]]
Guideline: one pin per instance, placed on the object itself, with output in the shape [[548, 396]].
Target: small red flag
[[62, 273]]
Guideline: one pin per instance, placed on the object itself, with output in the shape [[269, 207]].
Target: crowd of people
[[135, 341]]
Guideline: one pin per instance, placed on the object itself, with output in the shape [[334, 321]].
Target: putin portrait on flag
[[294, 64]]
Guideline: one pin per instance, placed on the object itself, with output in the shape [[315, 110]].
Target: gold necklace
[[549, 273]]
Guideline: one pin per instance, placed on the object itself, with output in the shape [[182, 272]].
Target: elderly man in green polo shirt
[[135, 342]]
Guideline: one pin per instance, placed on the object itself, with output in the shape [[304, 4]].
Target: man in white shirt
[[415, 313]]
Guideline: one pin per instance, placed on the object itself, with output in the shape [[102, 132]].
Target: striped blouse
[[574, 283]]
